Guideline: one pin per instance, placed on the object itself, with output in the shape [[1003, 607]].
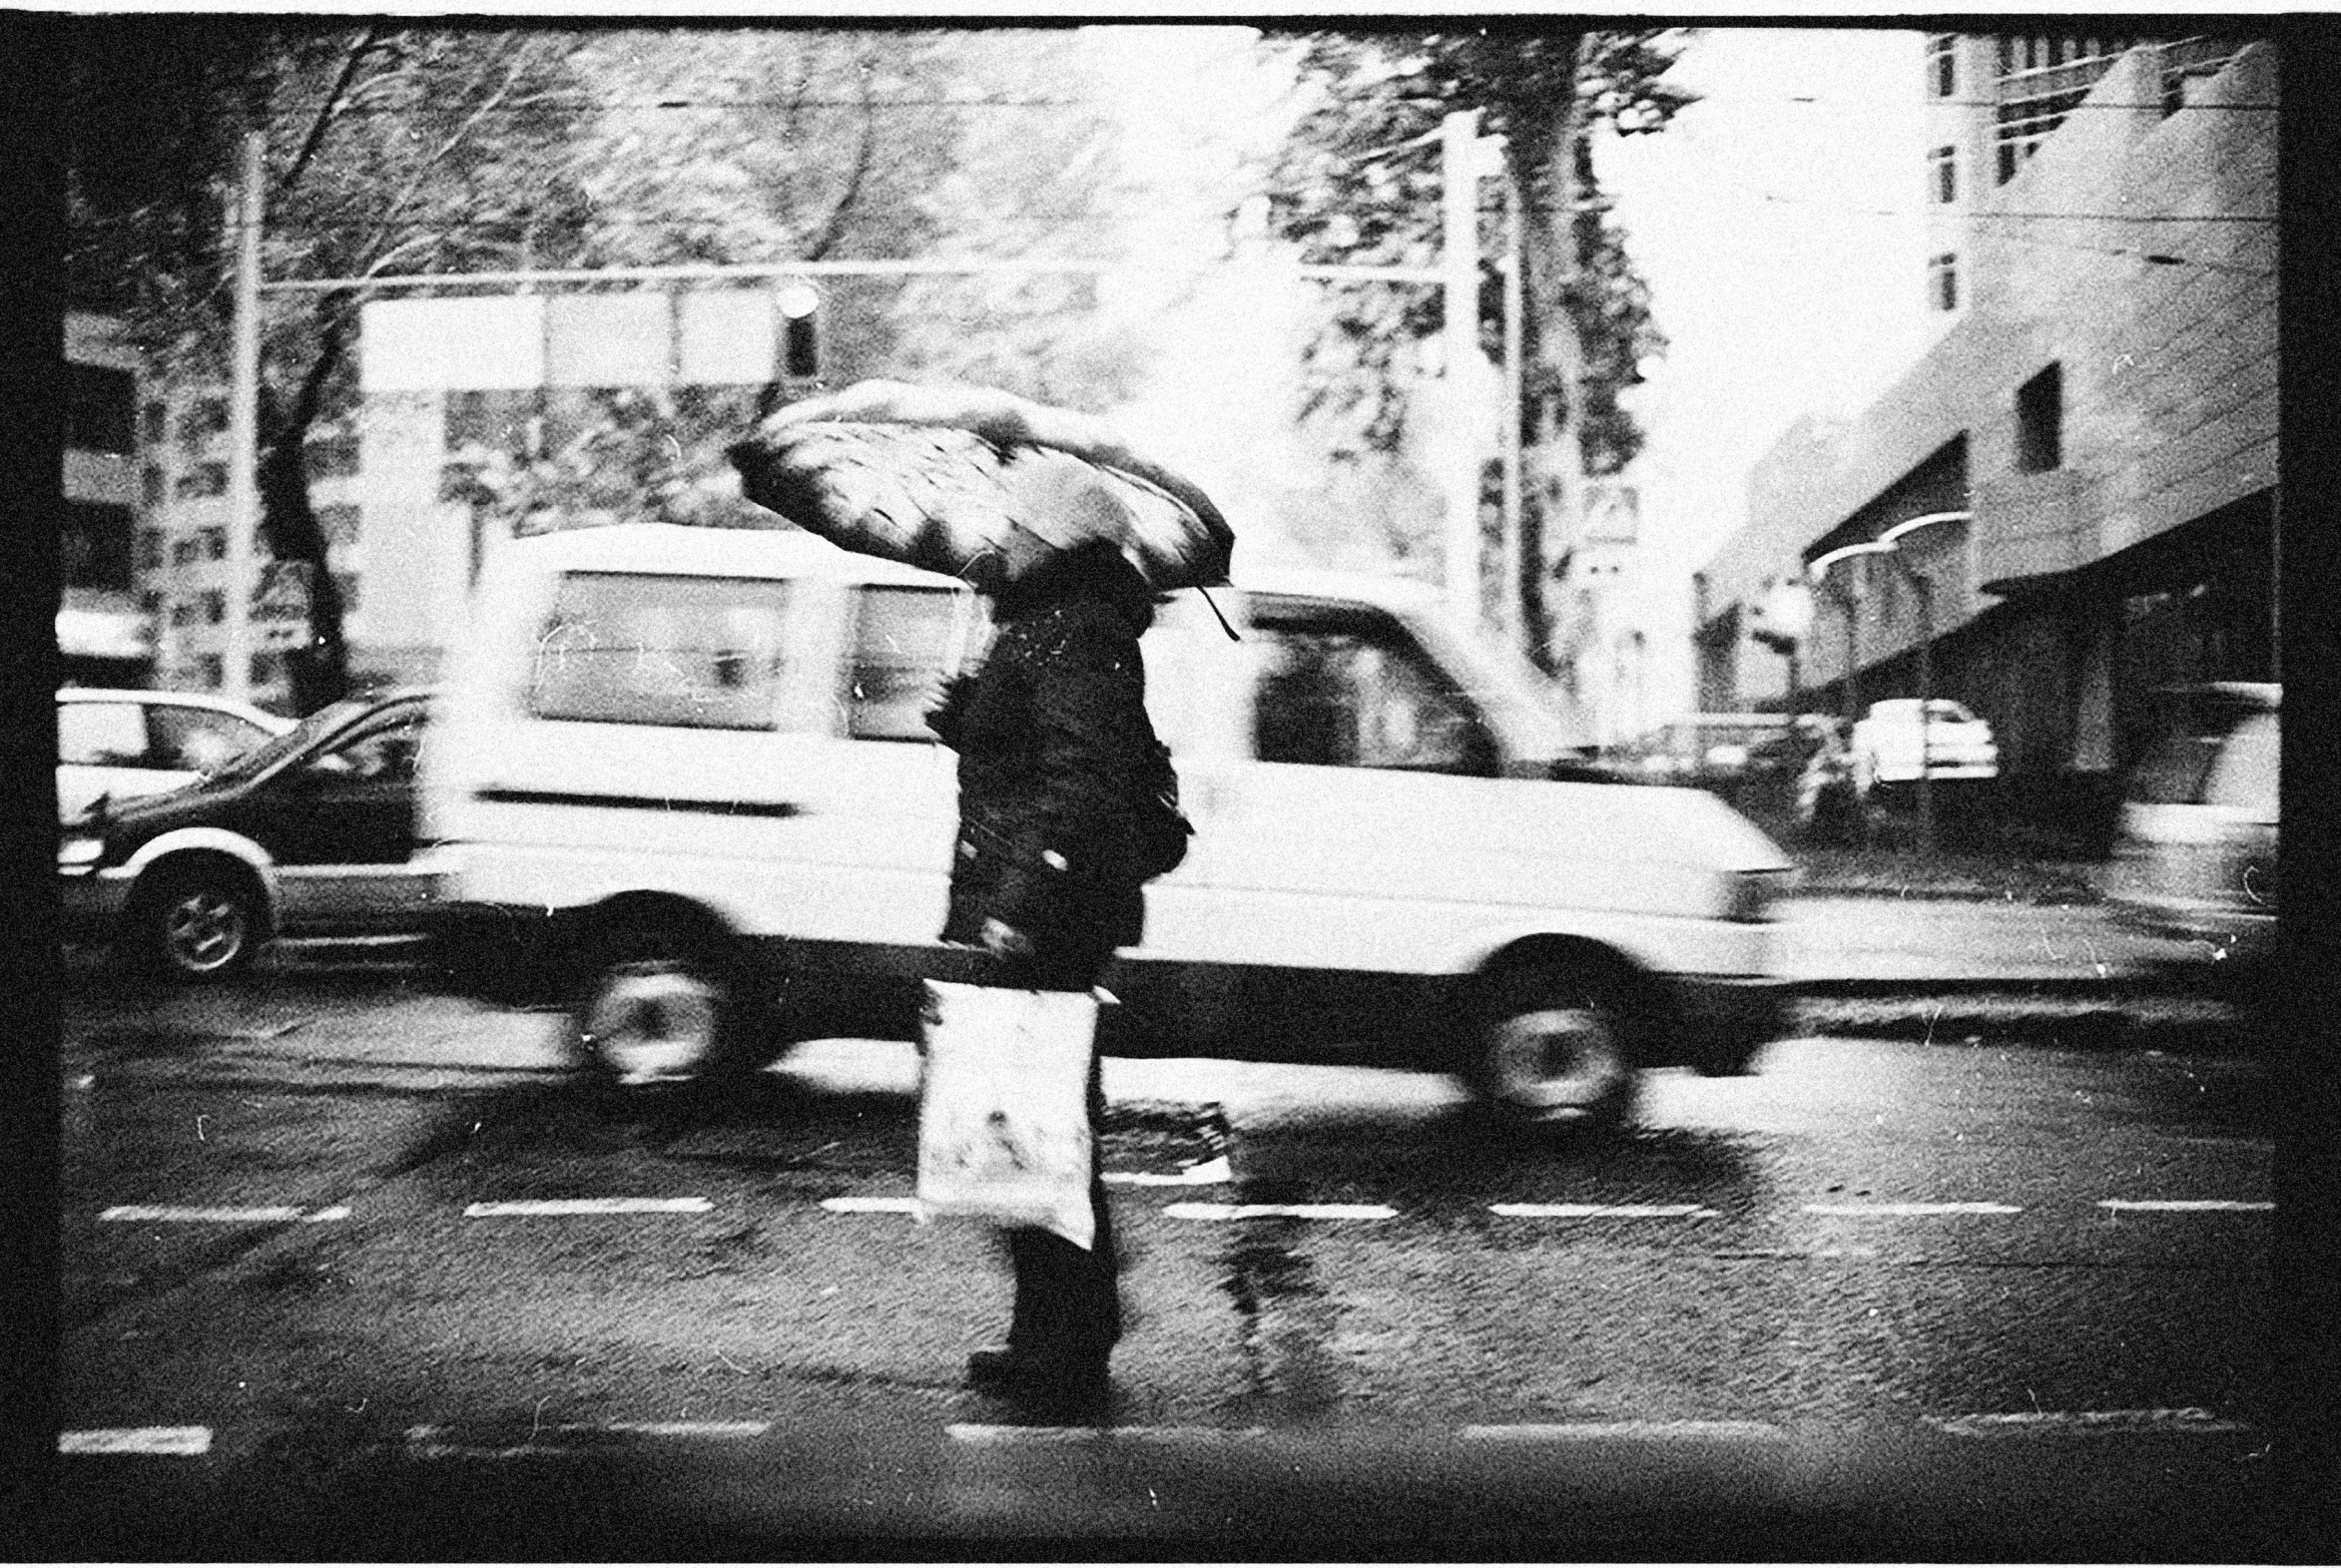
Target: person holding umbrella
[[1057, 764], [1067, 800]]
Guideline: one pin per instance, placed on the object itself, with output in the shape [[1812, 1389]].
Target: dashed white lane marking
[[1604, 1211], [870, 1205], [569, 1437], [2029, 1423], [536, 1208], [2183, 1204], [1210, 1172], [1908, 1211], [277, 1213], [179, 1440], [1640, 1432], [1280, 1211]]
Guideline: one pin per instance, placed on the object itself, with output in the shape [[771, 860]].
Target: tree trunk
[[1541, 149], [319, 667]]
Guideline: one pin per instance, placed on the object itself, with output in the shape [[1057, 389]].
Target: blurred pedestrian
[[1061, 781]]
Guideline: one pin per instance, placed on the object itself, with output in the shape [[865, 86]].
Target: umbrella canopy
[[933, 476]]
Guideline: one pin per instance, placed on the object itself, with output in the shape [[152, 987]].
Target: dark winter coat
[[1054, 747]]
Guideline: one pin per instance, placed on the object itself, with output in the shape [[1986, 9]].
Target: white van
[[684, 773]]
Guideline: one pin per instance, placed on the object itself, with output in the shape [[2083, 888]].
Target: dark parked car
[[308, 835]]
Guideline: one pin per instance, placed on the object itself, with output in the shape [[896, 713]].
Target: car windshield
[[296, 740]]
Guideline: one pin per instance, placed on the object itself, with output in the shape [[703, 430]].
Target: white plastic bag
[[1003, 1114]]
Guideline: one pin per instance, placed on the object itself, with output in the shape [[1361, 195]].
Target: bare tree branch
[[397, 205], [366, 42], [832, 228]]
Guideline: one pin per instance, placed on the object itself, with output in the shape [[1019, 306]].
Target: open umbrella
[[933, 477]]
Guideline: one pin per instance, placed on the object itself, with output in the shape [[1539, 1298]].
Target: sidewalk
[[1887, 871]]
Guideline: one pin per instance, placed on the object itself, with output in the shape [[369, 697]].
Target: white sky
[[1779, 224]]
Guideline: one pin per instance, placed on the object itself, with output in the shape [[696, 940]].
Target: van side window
[[902, 639], [698, 653], [1336, 696]]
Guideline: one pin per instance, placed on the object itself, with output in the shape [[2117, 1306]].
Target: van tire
[[656, 1003], [195, 921], [1549, 1048]]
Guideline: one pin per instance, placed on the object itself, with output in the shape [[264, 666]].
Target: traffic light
[[800, 331]]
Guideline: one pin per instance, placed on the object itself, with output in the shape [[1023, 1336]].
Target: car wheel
[[197, 923], [1550, 1049], [656, 1005]]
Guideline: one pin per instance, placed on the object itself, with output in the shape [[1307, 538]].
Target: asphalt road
[[353, 1269]]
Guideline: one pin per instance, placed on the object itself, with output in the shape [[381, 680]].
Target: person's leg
[[1069, 1309], [1066, 1315]]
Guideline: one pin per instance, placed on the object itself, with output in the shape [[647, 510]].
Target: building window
[[183, 611], [207, 671], [1946, 185], [151, 602], [339, 523], [2041, 81], [1942, 282], [333, 455], [155, 422], [1942, 65], [101, 410], [214, 544], [267, 669], [203, 480], [155, 486], [215, 606], [2040, 422], [149, 549], [2192, 59], [204, 419], [185, 552], [97, 545]]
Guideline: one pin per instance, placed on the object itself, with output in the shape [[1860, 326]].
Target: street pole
[[1459, 256], [1925, 589], [244, 429], [1515, 311]]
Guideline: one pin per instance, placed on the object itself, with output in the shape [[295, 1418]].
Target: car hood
[[144, 815]]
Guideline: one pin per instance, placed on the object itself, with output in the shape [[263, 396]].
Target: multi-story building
[[2070, 499], [183, 545], [389, 476], [102, 638]]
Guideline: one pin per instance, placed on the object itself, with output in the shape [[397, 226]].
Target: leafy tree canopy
[[1358, 181], [394, 150]]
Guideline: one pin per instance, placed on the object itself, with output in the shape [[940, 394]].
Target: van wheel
[[1549, 1049], [655, 1005], [196, 923]]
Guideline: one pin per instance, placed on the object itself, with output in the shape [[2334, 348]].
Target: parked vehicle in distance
[[2195, 854], [308, 835], [119, 743], [1888, 741], [1718, 751], [1828, 802], [684, 775]]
